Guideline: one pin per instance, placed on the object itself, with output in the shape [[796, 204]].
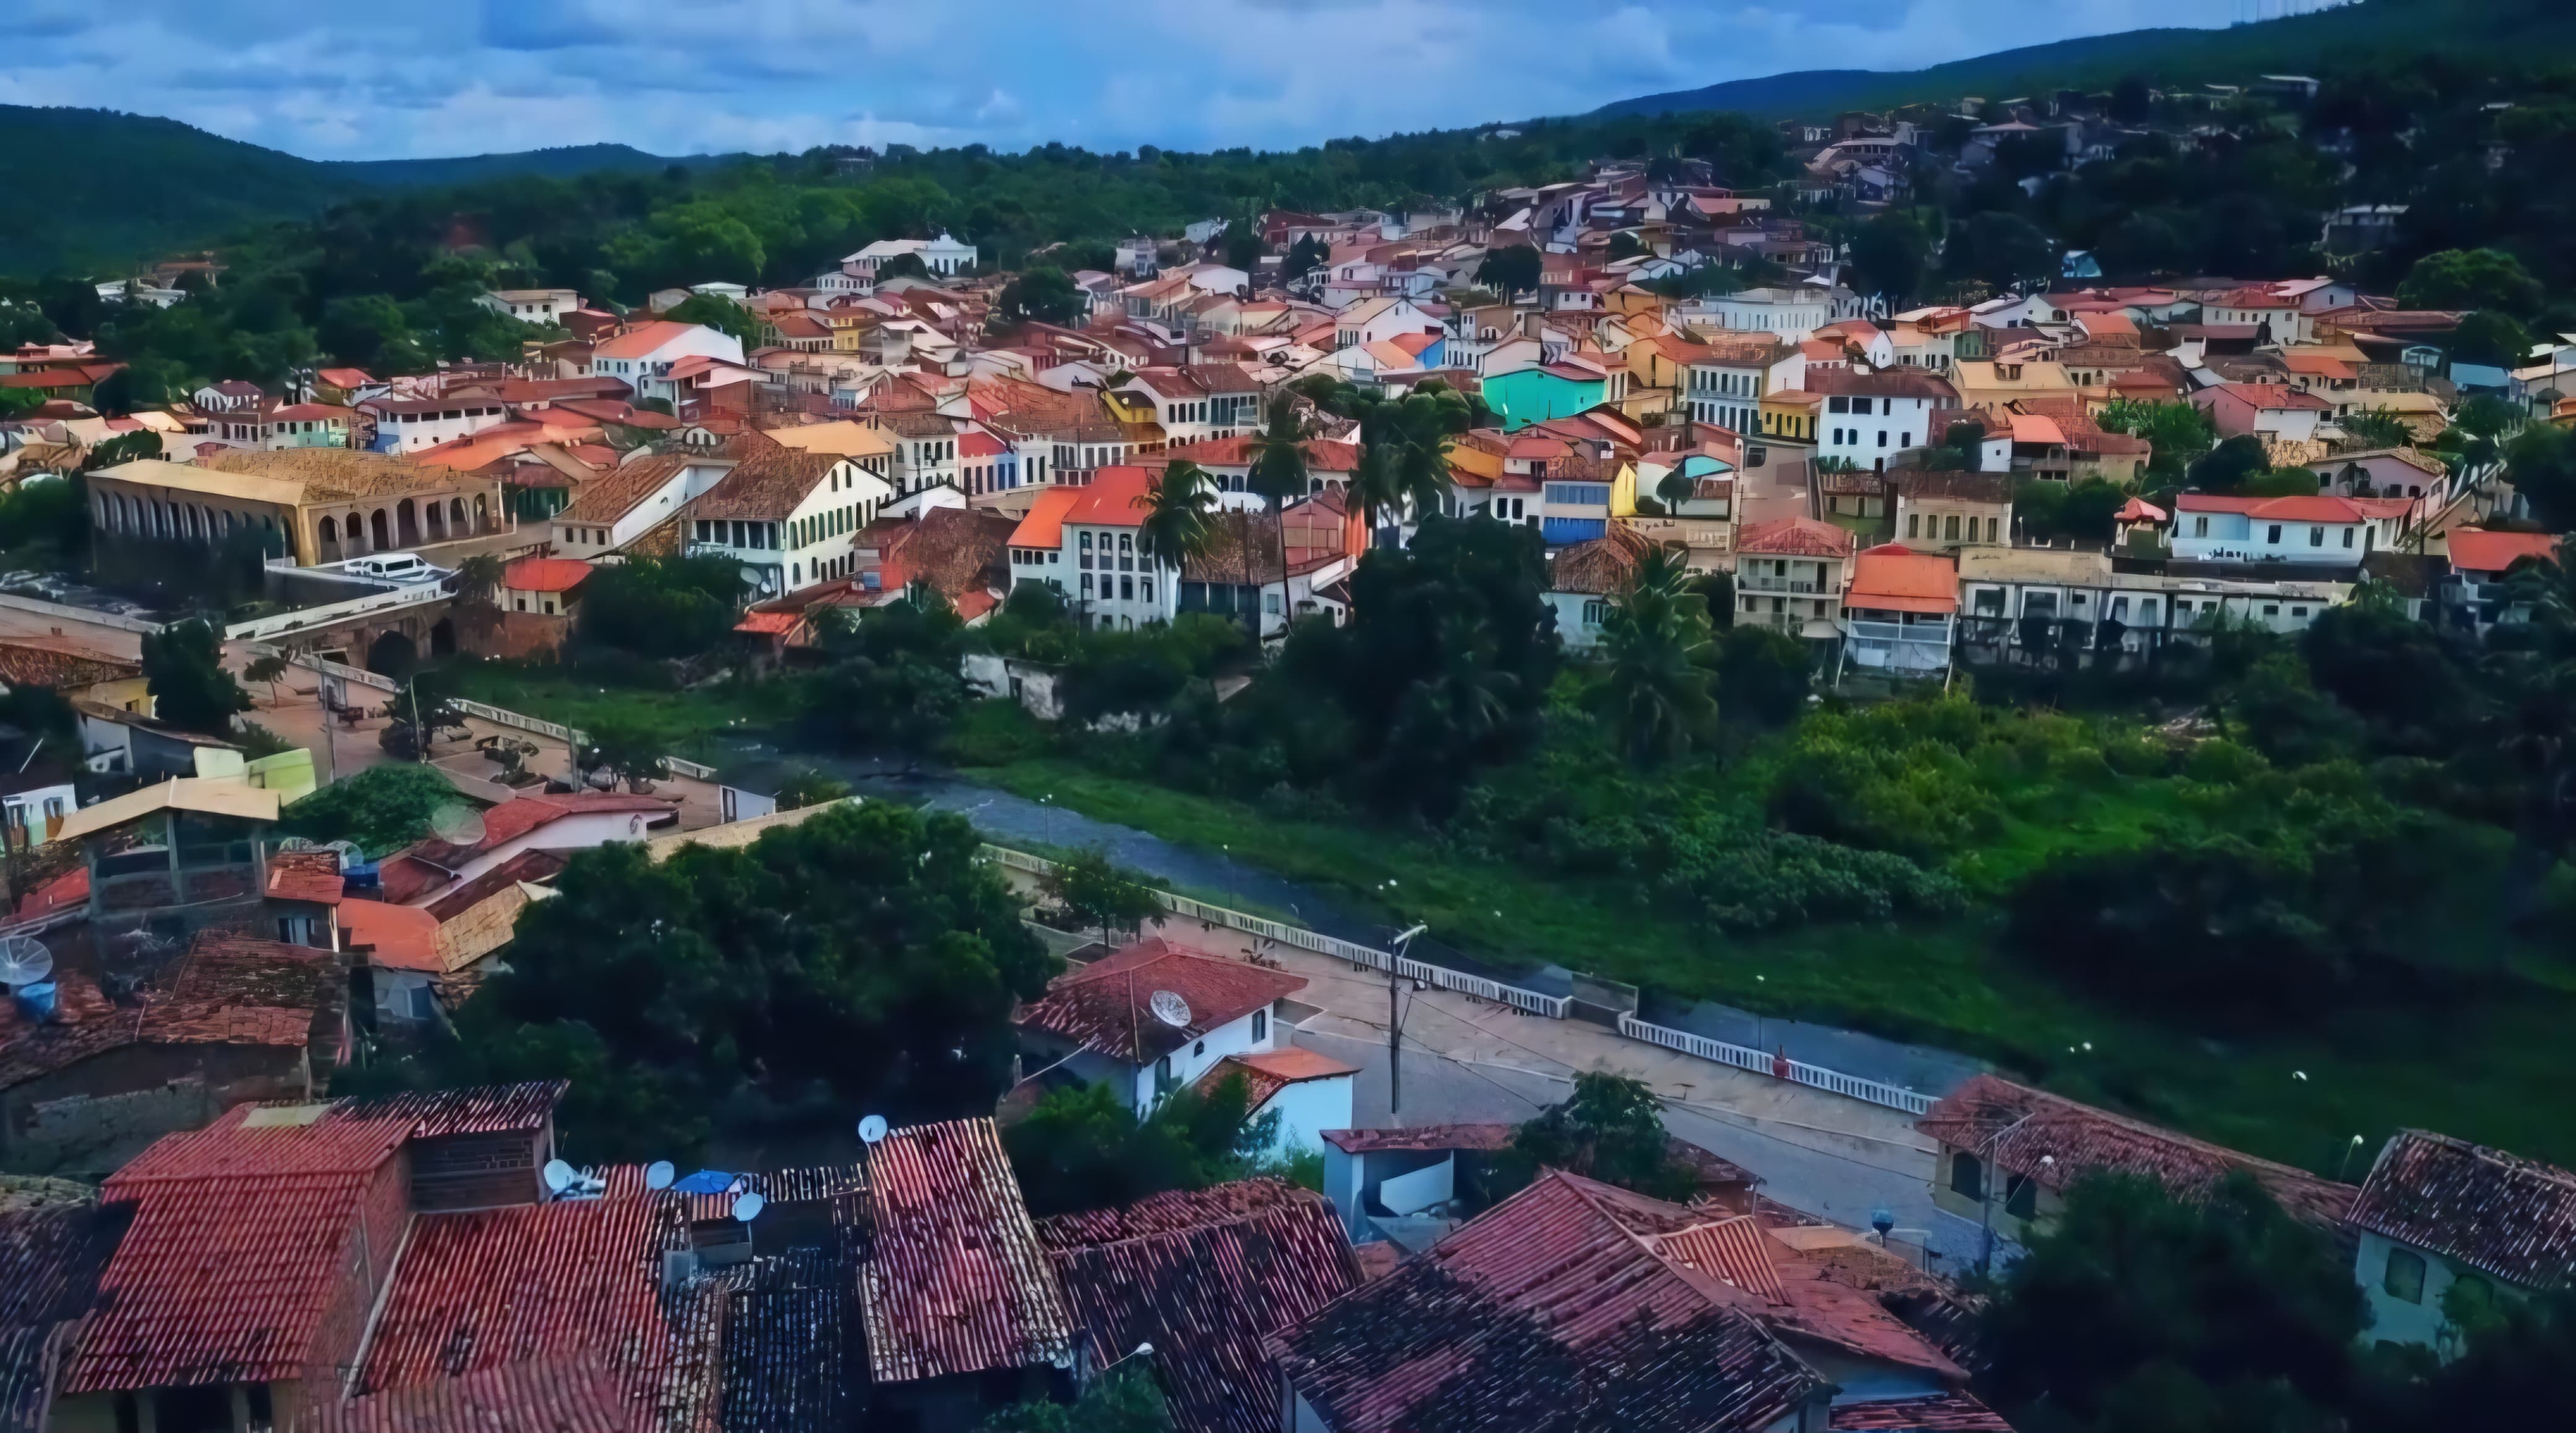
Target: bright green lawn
[[2487, 1066], [689, 717]]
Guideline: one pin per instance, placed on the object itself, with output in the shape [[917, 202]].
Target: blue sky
[[369, 81]]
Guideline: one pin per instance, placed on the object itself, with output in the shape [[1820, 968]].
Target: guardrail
[[1532, 1002], [305, 619], [70, 613], [1744, 1057]]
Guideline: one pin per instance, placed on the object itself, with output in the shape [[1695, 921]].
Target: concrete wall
[[87, 1119], [1306, 1109], [1194, 1058]]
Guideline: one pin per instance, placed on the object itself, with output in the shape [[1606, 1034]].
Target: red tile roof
[[1550, 1308], [1107, 1005], [2514, 1218], [1894, 578], [1795, 537], [1735, 1251], [1044, 525], [2055, 1141], [1265, 1073], [580, 1393], [392, 937], [1206, 1297], [59, 664], [2478, 550], [1940, 1413], [480, 1291], [954, 1280], [545, 574], [241, 1247], [1421, 1137], [641, 340], [1172, 1211], [2291, 509], [1115, 497], [305, 876], [2271, 396]]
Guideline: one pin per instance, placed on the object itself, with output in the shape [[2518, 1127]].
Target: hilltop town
[[911, 848]]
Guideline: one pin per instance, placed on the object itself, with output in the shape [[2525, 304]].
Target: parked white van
[[395, 567]]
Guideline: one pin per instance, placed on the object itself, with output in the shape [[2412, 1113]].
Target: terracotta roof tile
[[2514, 1218], [954, 1280], [1107, 1005], [614, 494], [1794, 537]]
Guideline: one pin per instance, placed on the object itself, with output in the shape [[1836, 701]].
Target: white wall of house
[[2395, 1318], [2242, 537], [1151, 590], [1192, 1059], [1307, 1109], [816, 538], [577, 832], [1867, 431], [1579, 617]]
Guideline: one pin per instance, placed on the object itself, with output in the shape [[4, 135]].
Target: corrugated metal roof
[[1206, 1298], [954, 1280]]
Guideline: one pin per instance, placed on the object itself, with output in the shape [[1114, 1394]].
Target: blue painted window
[[1558, 531], [1579, 494]]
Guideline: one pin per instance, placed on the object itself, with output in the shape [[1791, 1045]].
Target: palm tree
[[1675, 489], [1279, 476], [478, 579], [1178, 529], [1422, 474], [1377, 485], [1655, 639]]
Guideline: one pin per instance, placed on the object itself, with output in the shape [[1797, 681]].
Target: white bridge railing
[[1552, 1006], [308, 618], [1744, 1057]]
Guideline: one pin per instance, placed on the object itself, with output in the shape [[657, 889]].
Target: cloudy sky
[[367, 81]]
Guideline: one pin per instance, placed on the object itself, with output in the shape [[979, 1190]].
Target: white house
[[1869, 418], [2444, 1222], [644, 356], [943, 256], [571, 821], [531, 305], [1379, 319], [1115, 583], [787, 517], [632, 499], [406, 425], [2323, 531], [2276, 317], [1728, 374], [1154, 1017], [1791, 314]]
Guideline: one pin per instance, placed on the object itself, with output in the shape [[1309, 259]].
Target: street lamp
[[1048, 803]]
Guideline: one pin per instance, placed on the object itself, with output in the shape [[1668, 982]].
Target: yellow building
[[1789, 415], [317, 504], [1986, 383]]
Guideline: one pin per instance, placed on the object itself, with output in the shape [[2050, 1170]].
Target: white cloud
[[355, 82]]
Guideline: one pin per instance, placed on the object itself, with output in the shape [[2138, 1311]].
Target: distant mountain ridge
[[2512, 34], [100, 190]]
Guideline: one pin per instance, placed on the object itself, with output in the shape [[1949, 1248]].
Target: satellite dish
[[24, 960], [659, 1174], [559, 1175], [457, 824], [872, 1128], [748, 1207], [1170, 1008]]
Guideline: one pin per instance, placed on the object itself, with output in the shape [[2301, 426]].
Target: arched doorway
[[379, 531], [456, 517], [437, 523], [442, 638], [407, 522], [392, 655], [328, 543]]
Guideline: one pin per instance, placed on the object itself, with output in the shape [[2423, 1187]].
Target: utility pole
[[1395, 1024]]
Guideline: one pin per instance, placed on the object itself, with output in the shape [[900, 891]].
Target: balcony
[[1748, 583]]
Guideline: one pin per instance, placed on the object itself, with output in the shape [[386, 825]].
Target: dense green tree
[[2491, 337], [1125, 1399], [2541, 462], [2178, 432], [718, 313], [868, 955], [1611, 1128], [2228, 467], [1509, 269], [1891, 252], [1041, 294], [2143, 1311], [1765, 674], [2002, 249], [891, 675], [1179, 503], [1657, 643], [183, 667], [1094, 891], [630, 751], [2470, 279], [1084, 1147], [661, 607], [383, 808]]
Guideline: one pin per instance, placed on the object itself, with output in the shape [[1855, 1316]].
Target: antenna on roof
[[559, 1175], [24, 960], [457, 824], [748, 1207], [659, 1174], [872, 1128]]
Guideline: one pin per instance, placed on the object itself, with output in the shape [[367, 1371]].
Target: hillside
[[97, 189], [2380, 34]]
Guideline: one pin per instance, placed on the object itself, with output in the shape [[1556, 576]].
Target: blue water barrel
[[35, 1002]]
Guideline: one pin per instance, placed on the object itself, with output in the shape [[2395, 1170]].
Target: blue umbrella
[[705, 1181]]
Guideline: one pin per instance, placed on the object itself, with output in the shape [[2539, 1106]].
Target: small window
[[1260, 1026], [1913, 524], [1967, 1176], [2404, 1278], [2021, 1197], [2347, 537], [1198, 1049], [2271, 609], [2316, 537], [2273, 538]]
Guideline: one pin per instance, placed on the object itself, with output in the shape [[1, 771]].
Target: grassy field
[[2484, 1066], [689, 717]]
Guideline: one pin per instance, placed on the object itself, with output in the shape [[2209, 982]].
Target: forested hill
[[2388, 36], [94, 188]]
